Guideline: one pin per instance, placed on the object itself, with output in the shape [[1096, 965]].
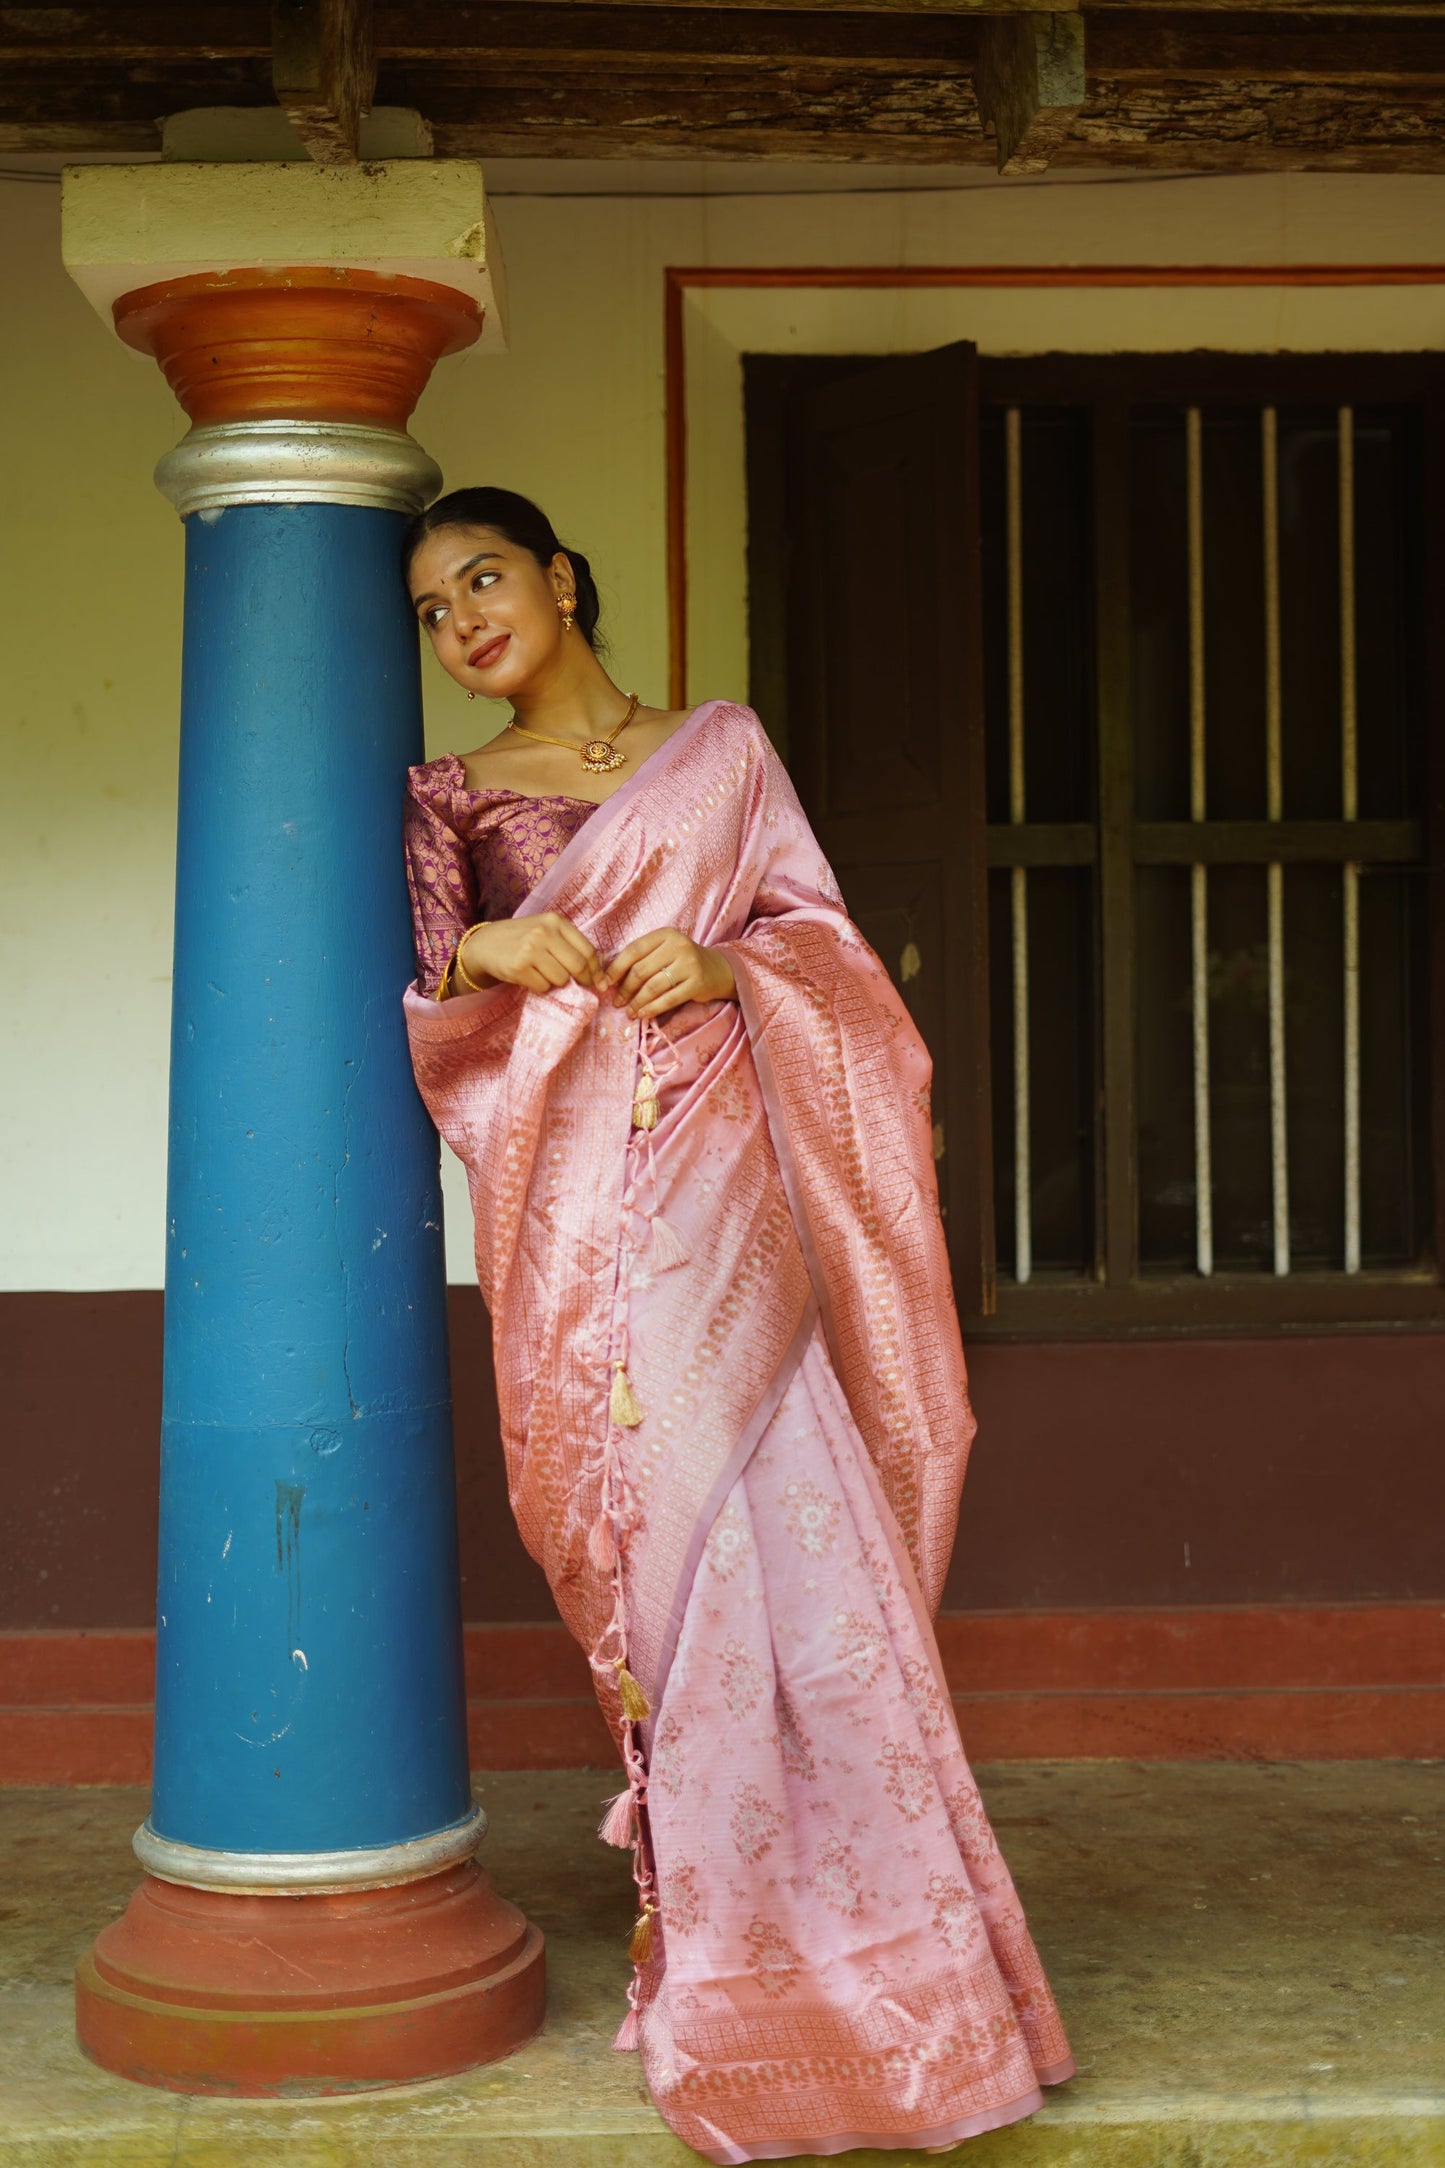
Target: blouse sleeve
[[442, 882]]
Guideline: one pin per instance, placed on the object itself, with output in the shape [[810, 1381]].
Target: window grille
[[1165, 891], [1207, 754]]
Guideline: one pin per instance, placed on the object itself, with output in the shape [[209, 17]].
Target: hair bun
[[589, 602]]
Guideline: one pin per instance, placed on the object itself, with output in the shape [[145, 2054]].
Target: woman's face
[[489, 608]]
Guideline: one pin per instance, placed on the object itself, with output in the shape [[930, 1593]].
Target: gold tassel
[[644, 1104], [635, 1704], [623, 1406], [639, 1949]]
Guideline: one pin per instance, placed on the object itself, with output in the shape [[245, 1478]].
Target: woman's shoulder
[[435, 782], [733, 726], [733, 719]]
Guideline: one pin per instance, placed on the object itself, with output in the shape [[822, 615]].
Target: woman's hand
[[659, 971], [539, 951]]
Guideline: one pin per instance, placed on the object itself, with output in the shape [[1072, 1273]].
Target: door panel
[[885, 717]]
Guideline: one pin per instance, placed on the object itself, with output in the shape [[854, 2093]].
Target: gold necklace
[[599, 755]]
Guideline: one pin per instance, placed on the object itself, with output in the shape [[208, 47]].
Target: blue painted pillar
[[313, 1917], [309, 1630]]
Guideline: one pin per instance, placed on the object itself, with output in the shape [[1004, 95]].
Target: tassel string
[[666, 1248], [624, 1823]]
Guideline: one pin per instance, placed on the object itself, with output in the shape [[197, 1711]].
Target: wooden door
[[885, 720]]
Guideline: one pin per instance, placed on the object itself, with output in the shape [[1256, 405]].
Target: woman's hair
[[522, 523]]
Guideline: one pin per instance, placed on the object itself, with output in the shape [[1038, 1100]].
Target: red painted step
[[1232, 1682]]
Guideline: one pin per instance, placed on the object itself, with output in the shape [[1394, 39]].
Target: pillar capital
[[318, 343], [128, 228], [296, 311]]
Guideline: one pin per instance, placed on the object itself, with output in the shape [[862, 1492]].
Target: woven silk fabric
[[474, 854], [840, 1957]]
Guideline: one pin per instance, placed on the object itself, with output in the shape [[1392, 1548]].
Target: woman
[[695, 1117]]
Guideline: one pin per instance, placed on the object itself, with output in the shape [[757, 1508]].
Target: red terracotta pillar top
[[306, 343]]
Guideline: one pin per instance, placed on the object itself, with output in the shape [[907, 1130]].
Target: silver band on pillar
[[269, 1874], [280, 462]]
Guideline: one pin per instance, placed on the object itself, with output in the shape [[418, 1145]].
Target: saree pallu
[[735, 1417]]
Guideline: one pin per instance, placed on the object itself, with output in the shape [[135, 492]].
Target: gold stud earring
[[567, 604], [471, 696]]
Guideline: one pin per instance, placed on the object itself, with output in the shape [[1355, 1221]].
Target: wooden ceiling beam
[[218, 30], [925, 119], [117, 34], [396, 18], [1123, 44], [1129, 44], [921, 121], [1119, 43], [394, 15]]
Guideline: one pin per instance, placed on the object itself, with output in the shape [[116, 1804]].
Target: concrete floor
[[1250, 1961]]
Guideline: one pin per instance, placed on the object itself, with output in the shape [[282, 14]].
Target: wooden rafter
[[1029, 81], [1208, 87], [323, 70]]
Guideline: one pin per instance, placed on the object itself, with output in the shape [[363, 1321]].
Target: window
[[1207, 761]]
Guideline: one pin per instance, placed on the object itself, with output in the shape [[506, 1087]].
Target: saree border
[[940, 2136], [782, 1141], [802, 1221]]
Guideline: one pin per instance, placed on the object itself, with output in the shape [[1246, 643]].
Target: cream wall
[[90, 556]]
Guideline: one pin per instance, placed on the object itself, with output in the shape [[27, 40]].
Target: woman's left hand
[[659, 971]]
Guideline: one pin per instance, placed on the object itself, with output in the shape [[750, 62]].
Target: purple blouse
[[474, 854]]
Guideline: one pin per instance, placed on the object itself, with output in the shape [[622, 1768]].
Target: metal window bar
[[1018, 880], [1198, 876], [1274, 791], [1349, 809]]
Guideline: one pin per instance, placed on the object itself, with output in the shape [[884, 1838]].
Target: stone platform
[[1250, 1961]]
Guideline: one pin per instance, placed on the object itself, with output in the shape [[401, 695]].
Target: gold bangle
[[460, 968]]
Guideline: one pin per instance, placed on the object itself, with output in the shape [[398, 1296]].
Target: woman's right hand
[[539, 951]]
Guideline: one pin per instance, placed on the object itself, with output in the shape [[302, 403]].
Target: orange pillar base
[[202, 1992]]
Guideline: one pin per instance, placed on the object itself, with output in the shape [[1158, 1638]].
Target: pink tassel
[[601, 1544], [626, 2033], [668, 1247], [615, 1826]]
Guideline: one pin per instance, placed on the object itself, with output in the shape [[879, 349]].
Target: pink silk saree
[[735, 1417]]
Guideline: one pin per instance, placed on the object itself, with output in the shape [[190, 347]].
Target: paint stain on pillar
[[290, 1498]]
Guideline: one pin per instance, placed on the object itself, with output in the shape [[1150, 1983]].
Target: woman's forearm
[[464, 958], [720, 962]]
